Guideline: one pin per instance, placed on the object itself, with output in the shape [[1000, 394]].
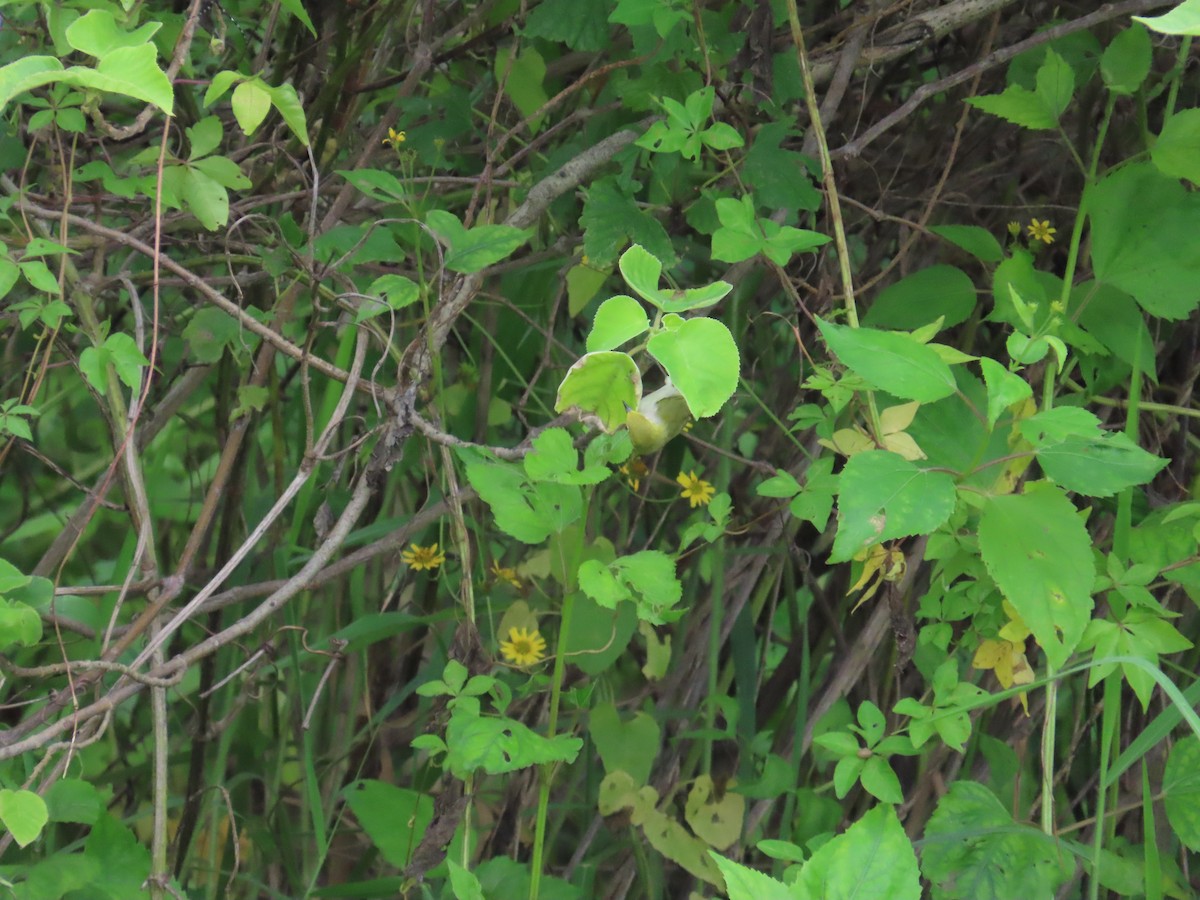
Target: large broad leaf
[[973, 850], [884, 496], [1077, 454], [1181, 790], [891, 361], [394, 818], [1038, 552], [701, 357], [743, 883], [924, 296], [873, 859], [1177, 150], [554, 458], [1143, 239], [606, 384], [646, 578]]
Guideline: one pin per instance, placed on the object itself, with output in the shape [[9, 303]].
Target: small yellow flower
[[634, 471], [395, 138], [423, 557], [504, 573], [524, 647], [695, 490], [1014, 228], [1042, 231]]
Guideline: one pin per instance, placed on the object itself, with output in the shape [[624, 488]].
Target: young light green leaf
[[1040, 555], [27, 73], [96, 33], [23, 814], [605, 383], [744, 883], [619, 319], [701, 357], [554, 458], [497, 745], [251, 102], [132, 71], [1183, 19]]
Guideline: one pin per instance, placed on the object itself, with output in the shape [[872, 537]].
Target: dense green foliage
[[599, 448]]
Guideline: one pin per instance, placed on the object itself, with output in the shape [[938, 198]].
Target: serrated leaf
[[1018, 105], [1039, 554], [1004, 388], [554, 458], [973, 850], [1181, 790], [883, 496], [605, 384], [701, 357], [619, 319], [874, 859]]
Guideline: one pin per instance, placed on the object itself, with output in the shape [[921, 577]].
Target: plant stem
[[547, 771]]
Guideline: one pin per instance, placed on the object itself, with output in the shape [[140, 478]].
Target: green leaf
[[1038, 552], [611, 219], [287, 102], [878, 780], [132, 71], [74, 800], [206, 198], [376, 184], [1177, 150], [251, 102], [884, 496], [701, 357], [498, 745], [24, 814], [641, 271], [716, 821], [619, 319], [924, 296], [1075, 453], [1181, 790], [1055, 84], [395, 292], [223, 170], [1142, 227], [581, 26], [1183, 19], [123, 861], [598, 636], [528, 512], [27, 73], [463, 882], [743, 235], [522, 76], [779, 177], [873, 859], [973, 850], [19, 624], [647, 578], [743, 883], [1126, 61], [554, 458], [394, 818], [475, 249], [1004, 388], [221, 83], [781, 484], [209, 332], [296, 8], [1018, 105], [891, 361], [96, 33], [977, 241], [627, 746], [204, 137], [605, 383]]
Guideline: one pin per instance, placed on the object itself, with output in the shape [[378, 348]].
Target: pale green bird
[[659, 417]]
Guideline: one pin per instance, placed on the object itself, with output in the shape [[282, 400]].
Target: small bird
[[659, 417]]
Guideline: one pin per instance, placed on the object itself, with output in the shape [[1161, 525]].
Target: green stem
[[547, 771], [1109, 721], [1048, 724]]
